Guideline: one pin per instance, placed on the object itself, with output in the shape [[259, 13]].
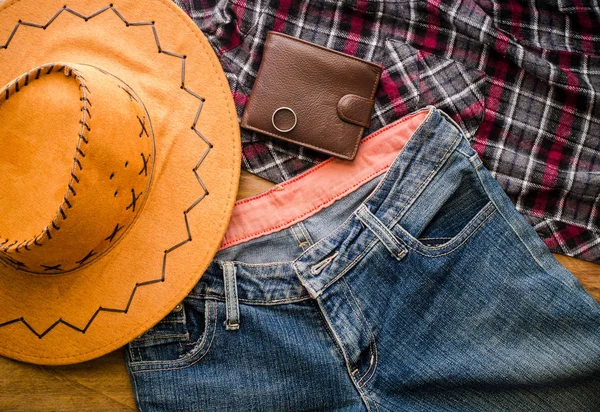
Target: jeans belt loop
[[232, 321]]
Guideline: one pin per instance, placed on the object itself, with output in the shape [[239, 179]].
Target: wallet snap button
[[287, 109]]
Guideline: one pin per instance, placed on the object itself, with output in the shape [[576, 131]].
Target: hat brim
[[80, 315]]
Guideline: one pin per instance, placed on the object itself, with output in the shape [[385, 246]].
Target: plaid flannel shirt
[[521, 78]]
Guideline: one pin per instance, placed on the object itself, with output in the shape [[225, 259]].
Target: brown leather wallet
[[312, 96]]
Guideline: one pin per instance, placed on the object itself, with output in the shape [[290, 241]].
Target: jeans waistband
[[408, 153]]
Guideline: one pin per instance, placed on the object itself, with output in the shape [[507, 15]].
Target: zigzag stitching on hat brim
[[195, 169]]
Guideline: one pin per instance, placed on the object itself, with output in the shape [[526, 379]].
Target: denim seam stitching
[[202, 346], [336, 339], [469, 232], [286, 300], [431, 109], [162, 322], [304, 240], [206, 297], [293, 230], [488, 208], [261, 265], [380, 231], [515, 231], [340, 347], [371, 354], [373, 341], [161, 369], [136, 392], [340, 229], [351, 264], [275, 301], [465, 155], [294, 234], [232, 310], [417, 192], [328, 329], [130, 349], [454, 123], [305, 232], [160, 337], [474, 159], [138, 353], [318, 267], [376, 405]]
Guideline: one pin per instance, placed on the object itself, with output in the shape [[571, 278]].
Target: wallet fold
[[312, 96]]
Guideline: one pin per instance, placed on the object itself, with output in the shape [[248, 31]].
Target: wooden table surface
[[103, 384]]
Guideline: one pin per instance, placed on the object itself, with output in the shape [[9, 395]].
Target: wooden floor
[[103, 384]]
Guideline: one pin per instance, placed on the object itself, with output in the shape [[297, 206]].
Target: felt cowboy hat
[[119, 158]]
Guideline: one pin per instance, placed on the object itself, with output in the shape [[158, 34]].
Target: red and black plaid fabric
[[521, 78]]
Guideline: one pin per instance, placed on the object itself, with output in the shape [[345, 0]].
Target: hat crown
[[111, 141]]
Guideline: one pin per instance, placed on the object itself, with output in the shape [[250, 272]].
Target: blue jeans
[[408, 283]]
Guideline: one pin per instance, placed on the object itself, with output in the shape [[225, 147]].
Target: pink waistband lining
[[305, 195]]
